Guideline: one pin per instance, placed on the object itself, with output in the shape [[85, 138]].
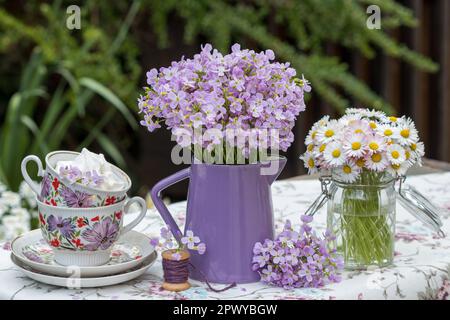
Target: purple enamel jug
[[230, 208]]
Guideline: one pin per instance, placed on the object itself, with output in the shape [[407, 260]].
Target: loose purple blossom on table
[[166, 241], [239, 91], [297, 259], [74, 175]]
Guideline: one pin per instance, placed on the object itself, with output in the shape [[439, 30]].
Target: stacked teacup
[[82, 200]]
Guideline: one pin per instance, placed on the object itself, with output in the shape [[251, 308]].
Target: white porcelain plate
[[130, 250], [78, 283]]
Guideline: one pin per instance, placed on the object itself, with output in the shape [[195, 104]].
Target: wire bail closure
[[419, 206], [325, 181]]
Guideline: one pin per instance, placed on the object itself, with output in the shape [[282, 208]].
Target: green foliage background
[[62, 88]]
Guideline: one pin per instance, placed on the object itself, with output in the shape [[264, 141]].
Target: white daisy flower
[[417, 151], [390, 119], [353, 110], [334, 154], [375, 143], [323, 121], [310, 147], [310, 162], [348, 172], [310, 138], [355, 145], [320, 149], [377, 161], [328, 132], [360, 162], [312, 135], [386, 130], [358, 126], [396, 153], [350, 118], [398, 169], [406, 134], [376, 114]]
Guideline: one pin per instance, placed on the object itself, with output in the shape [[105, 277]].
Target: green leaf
[[3, 177], [109, 96], [50, 117], [111, 149], [32, 126]]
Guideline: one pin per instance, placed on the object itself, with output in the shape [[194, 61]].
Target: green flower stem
[[366, 222]]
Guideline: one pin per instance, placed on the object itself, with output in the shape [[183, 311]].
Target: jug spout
[[273, 168]]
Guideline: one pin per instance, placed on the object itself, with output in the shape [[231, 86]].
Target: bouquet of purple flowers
[[233, 100], [298, 259]]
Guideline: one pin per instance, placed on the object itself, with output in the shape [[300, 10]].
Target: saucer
[[78, 283], [129, 251]]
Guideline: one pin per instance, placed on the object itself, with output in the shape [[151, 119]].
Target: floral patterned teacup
[[59, 192], [85, 236]]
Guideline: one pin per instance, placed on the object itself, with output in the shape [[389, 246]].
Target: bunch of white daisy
[[363, 139]]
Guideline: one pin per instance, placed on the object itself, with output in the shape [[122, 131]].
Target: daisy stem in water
[[367, 221]]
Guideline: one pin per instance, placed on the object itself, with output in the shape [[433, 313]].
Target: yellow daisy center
[[395, 154], [310, 147], [405, 133], [359, 131], [322, 148], [329, 133], [336, 153], [313, 135], [373, 125], [373, 146], [395, 166], [360, 162], [311, 163], [388, 132], [407, 155], [413, 146], [347, 169], [393, 119], [356, 145], [376, 157]]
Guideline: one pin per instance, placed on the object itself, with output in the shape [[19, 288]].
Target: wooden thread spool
[[168, 260]]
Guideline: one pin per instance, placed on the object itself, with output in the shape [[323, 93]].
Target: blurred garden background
[[69, 89]]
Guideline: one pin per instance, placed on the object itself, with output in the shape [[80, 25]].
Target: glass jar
[[361, 215]]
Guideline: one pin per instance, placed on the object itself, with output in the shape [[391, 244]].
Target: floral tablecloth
[[421, 270]]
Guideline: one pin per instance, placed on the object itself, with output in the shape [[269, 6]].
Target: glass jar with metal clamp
[[361, 215]]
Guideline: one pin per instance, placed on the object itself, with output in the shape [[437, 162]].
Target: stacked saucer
[[83, 240], [131, 256]]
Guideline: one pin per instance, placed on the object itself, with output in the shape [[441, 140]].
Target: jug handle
[[155, 193], [33, 185]]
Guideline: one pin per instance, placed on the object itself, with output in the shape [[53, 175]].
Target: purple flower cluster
[[297, 259], [74, 174], [189, 241], [242, 90]]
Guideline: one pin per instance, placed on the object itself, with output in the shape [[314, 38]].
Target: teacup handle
[[33, 185], [141, 202]]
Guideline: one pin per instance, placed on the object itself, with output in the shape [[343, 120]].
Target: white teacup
[[58, 191], [85, 236]]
